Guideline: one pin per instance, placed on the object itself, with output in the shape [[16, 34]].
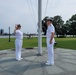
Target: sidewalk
[[65, 63]]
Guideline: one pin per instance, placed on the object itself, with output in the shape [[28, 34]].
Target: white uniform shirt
[[50, 29], [19, 35]]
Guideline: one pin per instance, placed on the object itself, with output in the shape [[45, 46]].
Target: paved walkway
[[65, 63]]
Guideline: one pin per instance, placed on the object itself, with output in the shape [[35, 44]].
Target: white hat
[[49, 19]]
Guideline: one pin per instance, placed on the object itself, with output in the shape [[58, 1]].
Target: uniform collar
[[50, 25]]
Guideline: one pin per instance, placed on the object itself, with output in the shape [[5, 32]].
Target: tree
[[44, 26], [63, 30], [58, 23], [71, 25]]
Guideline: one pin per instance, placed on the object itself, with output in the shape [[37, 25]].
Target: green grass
[[4, 44], [69, 43]]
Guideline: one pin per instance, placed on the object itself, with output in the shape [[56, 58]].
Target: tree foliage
[[69, 28], [71, 25]]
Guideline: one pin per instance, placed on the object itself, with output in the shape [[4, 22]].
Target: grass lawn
[[69, 43]]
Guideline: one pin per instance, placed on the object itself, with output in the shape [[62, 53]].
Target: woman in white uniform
[[18, 41], [50, 41]]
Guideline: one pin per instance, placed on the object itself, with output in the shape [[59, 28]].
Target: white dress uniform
[[18, 44], [50, 47]]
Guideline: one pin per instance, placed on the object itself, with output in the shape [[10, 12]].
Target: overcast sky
[[24, 12]]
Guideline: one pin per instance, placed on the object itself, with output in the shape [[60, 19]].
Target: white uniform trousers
[[50, 48], [18, 46]]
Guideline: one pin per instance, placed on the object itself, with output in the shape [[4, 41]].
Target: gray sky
[[24, 12]]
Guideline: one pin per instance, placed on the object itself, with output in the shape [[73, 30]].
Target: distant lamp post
[[9, 35]]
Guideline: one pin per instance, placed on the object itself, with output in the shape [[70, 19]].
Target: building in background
[[1, 31]]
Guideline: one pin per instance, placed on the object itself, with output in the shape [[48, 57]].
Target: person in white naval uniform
[[18, 41], [50, 41]]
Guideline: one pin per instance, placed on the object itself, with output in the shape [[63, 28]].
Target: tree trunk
[[57, 35]]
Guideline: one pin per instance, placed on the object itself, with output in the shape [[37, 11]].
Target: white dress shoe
[[49, 64], [19, 59]]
